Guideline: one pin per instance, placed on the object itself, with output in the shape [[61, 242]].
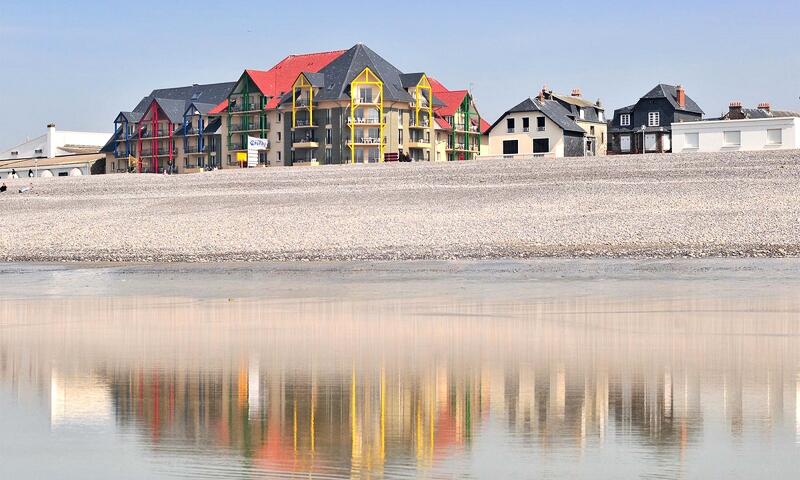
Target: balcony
[[304, 124], [193, 149], [367, 101], [369, 141], [419, 142], [460, 127], [239, 108], [307, 141], [120, 154], [364, 121], [423, 123], [241, 128]]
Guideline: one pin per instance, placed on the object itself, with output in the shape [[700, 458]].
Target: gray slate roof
[[336, 77], [209, 93], [550, 108], [670, 92], [759, 113], [130, 117], [409, 80], [201, 108]]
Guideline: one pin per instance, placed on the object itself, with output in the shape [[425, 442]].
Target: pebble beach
[[659, 206]]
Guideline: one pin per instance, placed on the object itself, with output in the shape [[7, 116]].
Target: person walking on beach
[[30, 173], [3, 187], [14, 173]]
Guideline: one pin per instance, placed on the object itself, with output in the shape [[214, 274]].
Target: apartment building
[[251, 107], [460, 129], [158, 135], [358, 109]]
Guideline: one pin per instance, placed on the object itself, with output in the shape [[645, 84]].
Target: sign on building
[[255, 145]]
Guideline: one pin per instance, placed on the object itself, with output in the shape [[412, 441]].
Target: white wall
[[51, 142], [753, 134], [552, 131]]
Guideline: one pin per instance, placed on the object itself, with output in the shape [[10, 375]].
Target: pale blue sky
[[78, 63]]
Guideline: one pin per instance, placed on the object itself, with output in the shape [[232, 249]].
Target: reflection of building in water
[[79, 400], [371, 417]]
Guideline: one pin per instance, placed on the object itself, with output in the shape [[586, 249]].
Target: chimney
[[764, 106], [576, 92], [50, 151], [681, 96], [542, 93], [735, 110]]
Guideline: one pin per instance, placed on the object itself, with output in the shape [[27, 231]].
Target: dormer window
[[653, 119], [581, 113], [625, 120], [600, 117]]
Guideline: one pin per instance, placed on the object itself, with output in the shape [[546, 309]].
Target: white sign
[[255, 145]]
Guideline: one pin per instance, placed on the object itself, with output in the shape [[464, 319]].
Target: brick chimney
[[542, 93], [764, 106], [735, 110], [576, 92], [681, 93]]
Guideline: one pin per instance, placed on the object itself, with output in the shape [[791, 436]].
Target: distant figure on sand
[[26, 189], [3, 187], [14, 173], [30, 173]]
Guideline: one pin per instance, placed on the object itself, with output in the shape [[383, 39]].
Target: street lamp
[[642, 130]]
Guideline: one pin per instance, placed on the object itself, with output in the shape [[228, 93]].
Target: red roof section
[[451, 99], [280, 78]]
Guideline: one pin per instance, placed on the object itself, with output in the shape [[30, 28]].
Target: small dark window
[[540, 123], [526, 124], [541, 145], [510, 124], [510, 147]]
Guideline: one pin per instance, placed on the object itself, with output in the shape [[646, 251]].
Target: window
[[591, 130], [732, 138], [400, 137], [540, 124], [328, 116], [691, 140], [774, 136], [328, 136], [653, 119], [365, 95], [510, 147], [510, 125], [526, 124], [625, 143], [279, 117], [328, 155], [625, 120], [541, 145], [581, 113], [600, 116], [279, 136], [279, 156]]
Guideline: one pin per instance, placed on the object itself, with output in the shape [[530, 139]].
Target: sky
[[78, 63]]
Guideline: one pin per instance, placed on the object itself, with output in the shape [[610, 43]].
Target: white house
[[55, 144], [736, 135]]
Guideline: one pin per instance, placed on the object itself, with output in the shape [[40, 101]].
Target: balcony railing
[[423, 123], [303, 123], [249, 128], [234, 108], [363, 121], [195, 149]]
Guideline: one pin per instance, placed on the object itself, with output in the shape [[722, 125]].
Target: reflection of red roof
[[279, 79]]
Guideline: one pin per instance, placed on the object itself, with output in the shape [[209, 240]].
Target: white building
[[55, 144], [773, 133]]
